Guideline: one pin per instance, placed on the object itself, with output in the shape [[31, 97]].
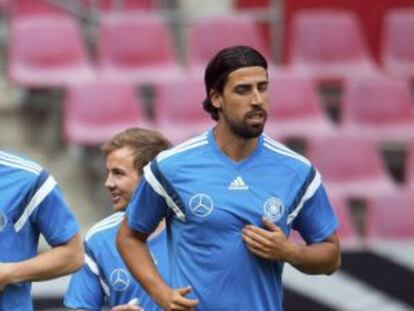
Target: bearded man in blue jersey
[[104, 278], [32, 204], [231, 196]]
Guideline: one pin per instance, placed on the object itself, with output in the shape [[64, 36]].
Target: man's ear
[[216, 99]]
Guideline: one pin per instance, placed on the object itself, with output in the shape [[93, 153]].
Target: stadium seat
[[47, 51], [136, 49], [295, 110], [380, 107], [30, 8], [111, 6], [95, 111], [391, 217], [328, 45], [251, 4], [208, 35], [351, 166], [398, 45], [178, 109]]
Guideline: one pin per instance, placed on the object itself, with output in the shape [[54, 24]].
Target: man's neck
[[232, 145]]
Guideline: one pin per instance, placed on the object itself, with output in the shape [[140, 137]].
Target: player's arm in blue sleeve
[[317, 224], [145, 210], [47, 211], [85, 291]]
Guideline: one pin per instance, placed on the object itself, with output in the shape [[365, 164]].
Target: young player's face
[[122, 177], [244, 101]]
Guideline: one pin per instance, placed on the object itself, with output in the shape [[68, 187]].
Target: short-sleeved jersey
[[31, 204], [208, 199], [104, 279]]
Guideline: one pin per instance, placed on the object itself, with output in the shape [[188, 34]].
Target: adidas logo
[[238, 184]]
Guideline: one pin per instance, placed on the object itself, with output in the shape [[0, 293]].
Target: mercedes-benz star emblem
[[201, 204], [119, 279]]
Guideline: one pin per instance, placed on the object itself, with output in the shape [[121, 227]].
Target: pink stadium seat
[[30, 8], [110, 6], [328, 45], [178, 109], [351, 166], [47, 52], [95, 111], [398, 44], [136, 49], [208, 35], [391, 217], [380, 107], [295, 108]]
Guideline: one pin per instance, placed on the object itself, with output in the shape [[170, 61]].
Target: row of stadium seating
[[49, 50]]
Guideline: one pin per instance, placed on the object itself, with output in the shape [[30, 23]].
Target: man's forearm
[[319, 258], [58, 261], [138, 259]]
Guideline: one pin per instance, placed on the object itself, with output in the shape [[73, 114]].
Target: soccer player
[[231, 196], [104, 277], [31, 204]]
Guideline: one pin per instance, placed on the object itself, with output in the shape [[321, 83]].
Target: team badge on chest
[[273, 209]]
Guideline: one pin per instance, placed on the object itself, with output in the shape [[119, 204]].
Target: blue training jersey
[[30, 204], [104, 278], [208, 199]]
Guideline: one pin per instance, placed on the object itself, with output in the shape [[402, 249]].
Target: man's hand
[[271, 244], [176, 301], [5, 275]]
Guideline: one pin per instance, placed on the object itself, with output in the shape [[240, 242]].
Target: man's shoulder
[[277, 151], [18, 164], [101, 231], [184, 153]]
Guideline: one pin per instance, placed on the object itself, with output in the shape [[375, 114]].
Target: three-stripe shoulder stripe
[[279, 148], [93, 266], [190, 144], [159, 189], [8, 159], [104, 224], [38, 197], [310, 191]]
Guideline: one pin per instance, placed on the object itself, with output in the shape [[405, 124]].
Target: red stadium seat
[[208, 35], [328, 45], [398, 44], [295, 108], [178, 109], [351, 166], [251, 4], [391, 217], [380, 107], [95, 111], [136, 49], [47, 52]]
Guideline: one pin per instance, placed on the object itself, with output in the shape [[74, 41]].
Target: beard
[[243, 128]]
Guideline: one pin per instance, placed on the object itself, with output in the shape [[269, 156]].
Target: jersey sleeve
[[146, 208], [316, 219], [85, 291], [50, 213]]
